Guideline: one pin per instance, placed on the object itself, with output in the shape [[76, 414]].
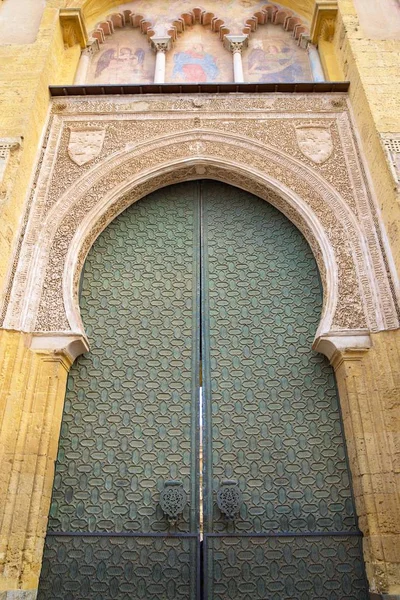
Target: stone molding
[[7, 145], [73, 27], [323, 21], [63, 344], [337, 345], [250, 142]]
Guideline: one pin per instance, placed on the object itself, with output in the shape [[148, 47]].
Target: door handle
[[173, 500], [229, 498]]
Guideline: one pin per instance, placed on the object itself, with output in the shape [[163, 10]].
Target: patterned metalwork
[[229, 498], [285, 568], [173, 500], [131, 417], [271, 401], [271, 413], [102, 568], [131, 411]]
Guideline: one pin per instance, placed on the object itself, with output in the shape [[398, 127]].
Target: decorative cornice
[[324, 19], [73, 27]]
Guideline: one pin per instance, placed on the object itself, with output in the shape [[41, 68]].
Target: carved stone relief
[[315, 142], [297, 152], [391, 144], [85, 144]]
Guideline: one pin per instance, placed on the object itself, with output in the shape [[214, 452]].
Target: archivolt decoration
[[251, 142]]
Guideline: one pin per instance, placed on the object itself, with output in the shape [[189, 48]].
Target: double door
[[201, 451]]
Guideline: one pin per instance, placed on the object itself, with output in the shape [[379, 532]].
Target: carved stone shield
[[315, 142], [85, 144]]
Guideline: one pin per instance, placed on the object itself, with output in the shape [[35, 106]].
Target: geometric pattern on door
[[271, 420]]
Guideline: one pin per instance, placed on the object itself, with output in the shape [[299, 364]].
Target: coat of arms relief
[[315, 142], [85, 144]]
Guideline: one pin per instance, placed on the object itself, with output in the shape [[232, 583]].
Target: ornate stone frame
[[188, 139]]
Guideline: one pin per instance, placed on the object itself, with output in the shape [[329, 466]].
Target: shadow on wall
[[20, 20]]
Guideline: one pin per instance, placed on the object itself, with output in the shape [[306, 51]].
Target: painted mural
[[198, 57], [125, 57], [274, 57]]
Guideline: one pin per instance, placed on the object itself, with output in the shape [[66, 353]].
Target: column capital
[[236, 43], [92, 48], [161, 44], [341, 345], [67, 346]]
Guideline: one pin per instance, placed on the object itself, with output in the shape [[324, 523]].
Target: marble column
[[315, 63], [84, 63], [161, 46], [236, 44]]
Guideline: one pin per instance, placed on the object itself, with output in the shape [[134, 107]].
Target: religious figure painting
[[199, 57], [275, 59], [124, 58], [195, 65]]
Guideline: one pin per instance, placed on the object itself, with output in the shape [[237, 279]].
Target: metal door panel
[[131, 411], [271, 411], [285, 567]]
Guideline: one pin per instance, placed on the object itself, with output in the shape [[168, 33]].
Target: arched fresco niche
[[199, 56], [274, 56], [124, 57]]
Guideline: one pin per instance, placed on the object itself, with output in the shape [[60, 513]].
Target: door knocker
[[229, 498], [173, 500]]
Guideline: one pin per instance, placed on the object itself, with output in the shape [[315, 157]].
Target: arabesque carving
[[251, 142]]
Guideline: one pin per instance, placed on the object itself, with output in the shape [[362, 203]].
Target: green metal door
[[131, 414], [201, 274], [272, 425]]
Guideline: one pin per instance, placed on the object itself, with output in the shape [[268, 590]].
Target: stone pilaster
[[369, 389], [33, 375]]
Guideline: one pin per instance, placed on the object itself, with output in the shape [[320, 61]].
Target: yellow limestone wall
[[25, 74], [369, 389], [32, 390], [372, 67]]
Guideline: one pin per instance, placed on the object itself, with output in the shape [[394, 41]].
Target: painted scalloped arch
[[198, 16], [119, 20], [276, 54], [288, 19]]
